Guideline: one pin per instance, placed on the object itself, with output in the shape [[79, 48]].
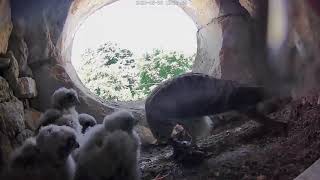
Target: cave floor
[[242, 149]]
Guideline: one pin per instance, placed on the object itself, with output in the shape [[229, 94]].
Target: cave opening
[[125, 49]]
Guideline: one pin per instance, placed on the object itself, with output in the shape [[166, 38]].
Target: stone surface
[[31, 118], [19, 48], [145, 135], [5, 92], [5, 25], [27, 87], [256, 8], [201, 11], [12, 73], [230, 7], [302, 64], [315, 5], [225, 48], [40, 23], [225, 39], [236, 57], [295, 64], [12, 118], [14, 66]]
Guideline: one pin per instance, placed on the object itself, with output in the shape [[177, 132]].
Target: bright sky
[[139, 28]]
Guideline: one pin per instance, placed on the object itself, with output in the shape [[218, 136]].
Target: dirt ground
[[242, 149]]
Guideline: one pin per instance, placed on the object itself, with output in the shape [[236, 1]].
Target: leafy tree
[[109, 71], [159, 66], [113, 74]]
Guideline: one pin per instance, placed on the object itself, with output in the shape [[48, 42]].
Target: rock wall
[[303, 62], [225, 40], [41, 26], [13, 85], [297, 66], [5, 25], [258, 10], [13, 130]]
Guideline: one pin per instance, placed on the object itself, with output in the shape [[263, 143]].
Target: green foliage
[[159, 66], [113, 73], [109, 72]]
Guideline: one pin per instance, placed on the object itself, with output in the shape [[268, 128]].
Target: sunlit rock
[[27, 87], [5, 25], [225, 44], [19, 48], [12, 73]]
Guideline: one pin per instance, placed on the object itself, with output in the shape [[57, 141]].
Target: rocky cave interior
[[36, 39]]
